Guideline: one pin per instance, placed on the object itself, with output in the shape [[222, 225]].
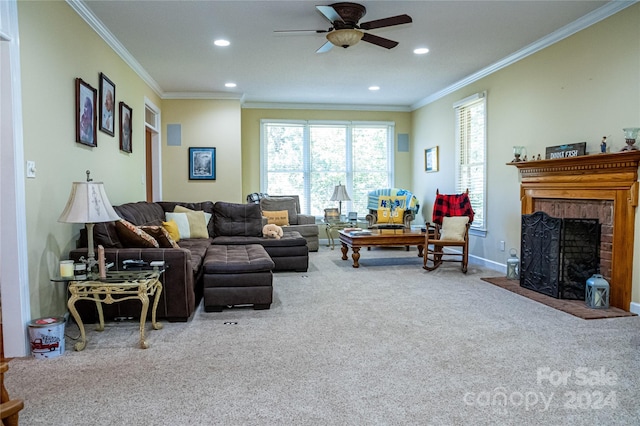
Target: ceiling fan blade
[[330, 13], [386, 22], [325, 47], [303, 31], [380, 41]]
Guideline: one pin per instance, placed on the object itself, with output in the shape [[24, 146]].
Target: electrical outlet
[[501, 245]]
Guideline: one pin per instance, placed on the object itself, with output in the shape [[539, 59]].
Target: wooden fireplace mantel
[[612, 177]]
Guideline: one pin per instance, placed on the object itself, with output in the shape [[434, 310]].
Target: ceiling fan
[[345, 31]]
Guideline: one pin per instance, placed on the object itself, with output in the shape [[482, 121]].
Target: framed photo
[[431, 159], [126, 117], [202, 164], [86, 102], [107, 105]]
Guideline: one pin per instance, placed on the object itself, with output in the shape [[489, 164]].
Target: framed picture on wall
[[86, 102], [431, 159], [202, 163], [126, 118], [107, 105]]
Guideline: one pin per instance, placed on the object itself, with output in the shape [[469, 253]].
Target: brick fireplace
[[600, 186]]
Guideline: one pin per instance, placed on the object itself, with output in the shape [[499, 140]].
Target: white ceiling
[[172, 43]]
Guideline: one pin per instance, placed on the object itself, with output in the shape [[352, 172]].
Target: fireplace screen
[[558, 255]]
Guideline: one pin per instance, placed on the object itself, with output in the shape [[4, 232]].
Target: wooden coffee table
[[380, 238]]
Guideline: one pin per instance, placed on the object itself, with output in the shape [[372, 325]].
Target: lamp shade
[[88, 203], [340, 193], [344, 38]]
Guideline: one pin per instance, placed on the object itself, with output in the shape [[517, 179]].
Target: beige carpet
[[573, 307], [385, 344]]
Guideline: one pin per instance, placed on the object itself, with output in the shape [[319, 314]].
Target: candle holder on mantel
[[518, 151], [630, 136]]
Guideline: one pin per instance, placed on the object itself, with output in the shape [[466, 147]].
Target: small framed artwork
[[126, 118], [107, 104], [202, 164], [431, 159], [86, 101]]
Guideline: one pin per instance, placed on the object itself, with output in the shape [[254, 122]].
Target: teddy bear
[[272, 231]]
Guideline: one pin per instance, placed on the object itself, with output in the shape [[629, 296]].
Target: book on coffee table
[[361, 232]]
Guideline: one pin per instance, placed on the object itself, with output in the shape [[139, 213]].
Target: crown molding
[[203, 95], [580, 24], [81, 9], [328, 107]]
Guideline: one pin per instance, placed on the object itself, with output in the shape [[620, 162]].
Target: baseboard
[[634, 307], [489, 264]]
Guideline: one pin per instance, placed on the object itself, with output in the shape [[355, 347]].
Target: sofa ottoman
[[237, 275]]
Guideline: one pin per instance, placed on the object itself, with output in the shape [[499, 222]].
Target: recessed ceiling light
[[374, 88], [421, 51], [221, 42], [230, 85]]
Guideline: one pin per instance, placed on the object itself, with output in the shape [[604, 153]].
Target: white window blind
[[309, 158], [471, 126]]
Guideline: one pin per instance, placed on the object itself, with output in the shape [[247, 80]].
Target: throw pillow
[[387, 216], [386, 201], [183, 209], [280, 217], [190, 224], [134, 237], [454, 228], [161, 235], [181, 221], [172, 228]]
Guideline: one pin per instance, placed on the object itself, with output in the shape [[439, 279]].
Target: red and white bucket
[[47, 337]]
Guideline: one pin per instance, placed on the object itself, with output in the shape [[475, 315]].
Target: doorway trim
[[152, 124], [14, 260]]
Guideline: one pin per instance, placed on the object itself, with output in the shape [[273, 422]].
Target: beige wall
[[251, 138], [580, 89], [204, 123], [56, 47]]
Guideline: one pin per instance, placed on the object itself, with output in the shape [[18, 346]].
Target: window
[[471, 138], [309, 158]]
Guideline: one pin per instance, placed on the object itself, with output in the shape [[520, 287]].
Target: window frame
[[306, 164], [460, 144]]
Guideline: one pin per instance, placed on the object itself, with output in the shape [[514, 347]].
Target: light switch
[[31, 169]]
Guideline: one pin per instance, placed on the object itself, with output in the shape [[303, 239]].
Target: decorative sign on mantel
[[565, 151]]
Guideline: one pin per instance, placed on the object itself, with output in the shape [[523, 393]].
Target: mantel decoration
[[567, 150], [518, 151], [630, 136], [86, 99], [202, 164]]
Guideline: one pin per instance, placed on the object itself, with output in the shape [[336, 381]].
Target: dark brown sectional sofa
[[230, 224]]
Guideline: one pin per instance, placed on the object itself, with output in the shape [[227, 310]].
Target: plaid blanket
[[451, 205]]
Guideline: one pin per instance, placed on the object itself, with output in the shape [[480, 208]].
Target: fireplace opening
[[559, 254]]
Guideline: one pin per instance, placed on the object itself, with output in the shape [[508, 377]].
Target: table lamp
[[340, 195], [88, 204]]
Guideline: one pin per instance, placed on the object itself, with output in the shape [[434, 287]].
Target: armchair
[[303, 223], [380, 199], [452, 218]]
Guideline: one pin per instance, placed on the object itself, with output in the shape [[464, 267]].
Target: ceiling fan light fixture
[[345, 37]]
